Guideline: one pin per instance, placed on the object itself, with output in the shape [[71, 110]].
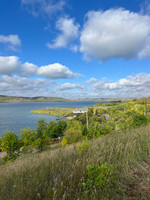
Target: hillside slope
[[57, 174], [16, 99]]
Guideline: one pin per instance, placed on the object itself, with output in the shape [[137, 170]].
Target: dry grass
[[55, 174]]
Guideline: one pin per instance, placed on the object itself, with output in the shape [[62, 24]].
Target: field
[[57, 174]]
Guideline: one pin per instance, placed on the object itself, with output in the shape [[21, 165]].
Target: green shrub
[[64, 142], [99, 176], [84, 146], [72, 136], [28, 137], [9, 144]]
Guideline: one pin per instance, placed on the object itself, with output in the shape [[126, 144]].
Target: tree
[[42, 139], [72, 136], [9, 143], [28, 137], [51, 130], [94, 130], [61, 126]]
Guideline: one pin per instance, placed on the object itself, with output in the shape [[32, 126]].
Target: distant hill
[[17, 99], [105, 99]]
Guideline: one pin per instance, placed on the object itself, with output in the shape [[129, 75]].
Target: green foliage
[[96, 118], [51, 129], [64, 142], [134, 121], [9, 144], [60, 127], [99, 177], [81, 118], [72, 136], [28, 137], [74, 125], [42, 140], [139, 120], [84, 146], [84, 130], [97, 129], [90, 112], [41, 127], [94, 130], [111, 103], [55, 130]]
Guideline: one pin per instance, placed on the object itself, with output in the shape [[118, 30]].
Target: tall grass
[[56, 174]]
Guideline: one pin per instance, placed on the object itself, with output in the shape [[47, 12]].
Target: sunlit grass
[[61, 112]]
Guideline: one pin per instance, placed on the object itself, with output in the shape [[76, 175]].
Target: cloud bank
[[21, 86], [11, 65], [69, 86], [131, 86]]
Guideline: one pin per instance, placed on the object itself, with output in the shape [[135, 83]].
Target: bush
[[84, 146], [56, 130], [64, 142], [73, 136], [99, 176], [10, 144], [134, 121]]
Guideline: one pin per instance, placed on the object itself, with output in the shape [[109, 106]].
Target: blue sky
[[75, 49]]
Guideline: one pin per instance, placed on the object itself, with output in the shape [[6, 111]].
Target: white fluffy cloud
[[115, 33], [69, 31], [12, 41], [91, 80], [46, 7], [69, 86], [56, 71], [28, 69], [131, 86], [9, 65]]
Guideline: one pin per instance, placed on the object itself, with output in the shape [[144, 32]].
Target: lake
[[16, 116]]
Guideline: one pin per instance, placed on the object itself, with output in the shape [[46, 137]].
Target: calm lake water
[[16, 116]]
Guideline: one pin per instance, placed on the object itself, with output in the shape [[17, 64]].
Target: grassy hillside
[[15, 99], [58, 174]]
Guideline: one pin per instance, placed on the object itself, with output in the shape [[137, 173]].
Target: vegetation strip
[[106, 158]]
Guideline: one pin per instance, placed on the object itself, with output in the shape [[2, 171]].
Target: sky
[[75, 49]]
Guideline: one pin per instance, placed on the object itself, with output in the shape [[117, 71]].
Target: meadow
[[58, 174]]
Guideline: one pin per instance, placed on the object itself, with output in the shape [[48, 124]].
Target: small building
[[80, 111]]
